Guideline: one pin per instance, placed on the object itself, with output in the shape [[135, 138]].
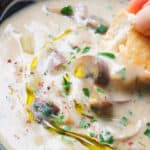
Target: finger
[[146, 4], [135, 5], [143, 20]]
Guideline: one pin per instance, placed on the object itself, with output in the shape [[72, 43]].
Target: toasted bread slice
[[132, 47]]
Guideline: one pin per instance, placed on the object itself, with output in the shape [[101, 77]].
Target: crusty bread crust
[[133, 48]]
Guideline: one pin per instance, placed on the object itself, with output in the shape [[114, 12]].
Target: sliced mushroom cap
[[102, 108], [92, 67], [56, 61], [94, 22], [103, 74]]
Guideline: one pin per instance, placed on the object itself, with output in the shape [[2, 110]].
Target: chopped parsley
[[71, 59], [36, 107], [99, 90], [101, 29], [140, 94], [45, 109], [147, 132], [66, 83], [84, 124], [67, 10], [92, 134], [67, 128], [122, 73], [86, 49], [50, 36], [105, 137], [124, 121], [86, 92], [64, 94], [77, 49], [130, 113], [107, 54], [58, 119]]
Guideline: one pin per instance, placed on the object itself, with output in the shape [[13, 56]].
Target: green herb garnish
[[86, 49], [106, 137], [140, 94], [77, 49], [124, 121], [147, 132], [122, 73], [101, 29], [67, 10], [107, 54], [84, 124], [66, 83], [99, 90], [50, 36], [36, 107], [86, 92], [46, 109], [58, 119], [64, 94], [130, 113], [71, 59], [67, 128], [92, 134]]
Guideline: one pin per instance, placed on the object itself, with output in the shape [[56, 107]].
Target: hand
[[142, 10]]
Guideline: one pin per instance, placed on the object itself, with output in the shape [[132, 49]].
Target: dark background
[[3, 4], [17, 5]]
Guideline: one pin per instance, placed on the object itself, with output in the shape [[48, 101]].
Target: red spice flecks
[[41, 84], [75, 46], [130, 143], [96, 136]]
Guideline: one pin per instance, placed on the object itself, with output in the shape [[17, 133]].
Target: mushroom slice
[[92, 67], [56, 60], [44, 110], [102, 108], [94, 22], [53, 9]]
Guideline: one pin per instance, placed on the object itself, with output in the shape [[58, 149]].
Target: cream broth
[[48, 57]]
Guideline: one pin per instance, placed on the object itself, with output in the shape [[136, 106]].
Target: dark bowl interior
[[9, 7]]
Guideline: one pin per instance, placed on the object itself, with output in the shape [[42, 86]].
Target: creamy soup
[[60, 90]]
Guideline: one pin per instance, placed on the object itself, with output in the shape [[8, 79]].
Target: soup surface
[[60, 90]]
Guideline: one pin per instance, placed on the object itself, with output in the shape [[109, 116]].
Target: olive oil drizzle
[[29, 101], [80, 110], [87, 141]]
